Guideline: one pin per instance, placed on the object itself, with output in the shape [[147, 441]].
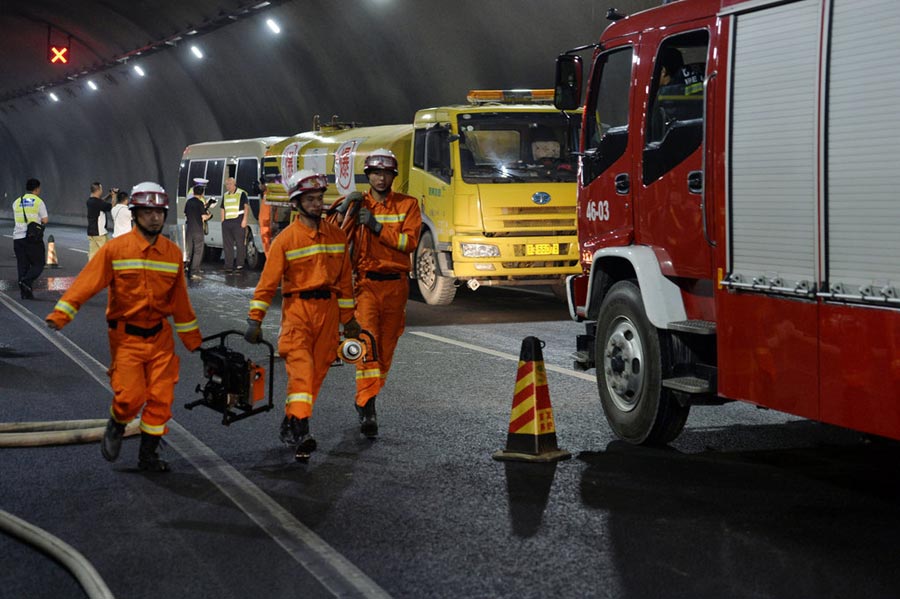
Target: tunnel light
[[196, 51], [273, 25], [139, 71], [92, 85], [53, 97]]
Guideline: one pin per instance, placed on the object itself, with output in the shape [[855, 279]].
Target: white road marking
[[498, 354], [330, 568], [80, 251]]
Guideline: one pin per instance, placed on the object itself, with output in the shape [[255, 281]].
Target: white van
[[216, 161]]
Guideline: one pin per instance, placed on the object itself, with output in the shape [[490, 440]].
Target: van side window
[[182, 179], [197, 170], [607, 115], [674, 127], [214, 172]]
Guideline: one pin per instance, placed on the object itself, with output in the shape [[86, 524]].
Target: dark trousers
[[233, 237], [29, 259], [194, 249]]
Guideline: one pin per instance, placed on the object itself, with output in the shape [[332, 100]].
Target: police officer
[[234, 224], [195, 215], [28, 208]]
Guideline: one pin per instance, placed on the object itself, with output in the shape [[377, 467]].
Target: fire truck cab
[[737, 212]]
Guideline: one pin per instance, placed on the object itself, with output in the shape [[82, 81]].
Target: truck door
[[607, 170], [430, 177], [669, 218]]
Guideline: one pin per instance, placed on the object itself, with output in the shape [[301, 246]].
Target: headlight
[[479, 250]]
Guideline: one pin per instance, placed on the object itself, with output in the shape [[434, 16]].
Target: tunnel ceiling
[[99, 33]]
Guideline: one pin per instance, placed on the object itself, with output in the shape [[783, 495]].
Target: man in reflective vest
[[29, 251], [309, 260], [145, 275], [234, 224], [387, 232]]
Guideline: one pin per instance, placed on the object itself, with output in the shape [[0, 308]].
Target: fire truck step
[[688, 384], [697, 327]]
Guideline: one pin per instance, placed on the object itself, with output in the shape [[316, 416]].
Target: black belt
[[311, 294], [381, 276], [133, 329]]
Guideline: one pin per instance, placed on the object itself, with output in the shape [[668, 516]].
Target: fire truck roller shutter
[[662, 297]]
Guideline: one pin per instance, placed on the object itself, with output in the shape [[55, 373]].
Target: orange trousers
[[309, 341], [381, 310], [143, 374]]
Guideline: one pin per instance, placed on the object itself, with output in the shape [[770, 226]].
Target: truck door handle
[[695, 181], [622, 185]]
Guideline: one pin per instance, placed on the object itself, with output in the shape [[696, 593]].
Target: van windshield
[[518, 147]]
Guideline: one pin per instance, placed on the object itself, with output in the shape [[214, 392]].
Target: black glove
[[368, 219], [253, 334], [352, 329], [345, 205]]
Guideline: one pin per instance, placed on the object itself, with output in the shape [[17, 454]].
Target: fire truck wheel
[[632, 356], [436, 290]]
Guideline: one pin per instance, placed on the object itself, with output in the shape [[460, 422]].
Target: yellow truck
[[495, 179]]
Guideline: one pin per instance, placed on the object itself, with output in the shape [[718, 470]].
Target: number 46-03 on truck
[[738, 213]]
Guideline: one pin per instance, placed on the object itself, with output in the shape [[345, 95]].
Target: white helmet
[[381, 158], [304, 181], [148, 195]]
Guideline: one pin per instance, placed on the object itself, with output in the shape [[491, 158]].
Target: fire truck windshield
[[518, 147]]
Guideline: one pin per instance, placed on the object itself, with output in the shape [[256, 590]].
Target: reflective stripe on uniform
[[184, 327], [390, 218], [372, 373], [346, 303], [402, 241], [140, 264], [300, 398], [312, 250], [66, 308], [259, 305], [153, 429]]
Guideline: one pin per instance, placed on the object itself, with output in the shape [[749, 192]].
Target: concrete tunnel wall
[[370, 61]]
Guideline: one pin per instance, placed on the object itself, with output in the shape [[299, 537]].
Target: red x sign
[[59, 54]]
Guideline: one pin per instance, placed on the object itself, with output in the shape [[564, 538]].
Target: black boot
[[292, 428], [368, 420], [111, 443], [305, 442], [148, 458]]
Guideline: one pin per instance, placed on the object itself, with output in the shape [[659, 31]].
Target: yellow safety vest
[[32, 209], [231, 202]]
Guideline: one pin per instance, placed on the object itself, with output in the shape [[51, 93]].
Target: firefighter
[[145, 276], [387, 232], [309, 260]]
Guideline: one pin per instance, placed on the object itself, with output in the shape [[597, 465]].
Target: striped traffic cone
[[52, 260], [532, 433]]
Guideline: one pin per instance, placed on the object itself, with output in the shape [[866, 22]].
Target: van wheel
[[436, 290], [632, 355], [252, 254]]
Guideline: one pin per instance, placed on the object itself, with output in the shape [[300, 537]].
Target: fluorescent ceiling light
[[53, 97], [92, 85], [139, 70], [196, 51], [273, 26]]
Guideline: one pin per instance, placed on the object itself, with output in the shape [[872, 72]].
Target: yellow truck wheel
[[436, 290]]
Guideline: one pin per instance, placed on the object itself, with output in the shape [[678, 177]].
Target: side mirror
[[567, 89]]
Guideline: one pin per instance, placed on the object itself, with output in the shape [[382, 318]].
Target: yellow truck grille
[[527, 220]]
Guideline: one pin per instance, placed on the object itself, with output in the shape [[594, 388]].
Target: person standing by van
[[195, 215], [121, 215], [29, 251], [234, 224], [97, 207]]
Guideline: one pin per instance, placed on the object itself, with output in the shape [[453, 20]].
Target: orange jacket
[[389, 251], [146, 284], [304, 259]]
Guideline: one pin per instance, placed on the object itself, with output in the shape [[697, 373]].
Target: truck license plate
[[541, 249]]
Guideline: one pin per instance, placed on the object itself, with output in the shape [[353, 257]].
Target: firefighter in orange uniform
[[387, 232], [145, 275], [309, 260]]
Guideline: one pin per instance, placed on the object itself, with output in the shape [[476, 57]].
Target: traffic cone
[[532, 433], [52, 260]]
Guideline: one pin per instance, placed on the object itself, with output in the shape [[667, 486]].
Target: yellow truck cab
[[495, 179], [216, 161]]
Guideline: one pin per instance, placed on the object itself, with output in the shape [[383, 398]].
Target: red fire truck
[[738, 212]]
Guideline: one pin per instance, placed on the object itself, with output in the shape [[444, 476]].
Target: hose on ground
[[59, 432], [62, 552]]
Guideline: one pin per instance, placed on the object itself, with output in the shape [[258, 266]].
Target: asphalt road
[[745, 503]]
